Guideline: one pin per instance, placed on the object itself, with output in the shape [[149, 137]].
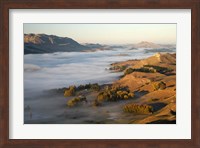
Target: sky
[[108, 33]]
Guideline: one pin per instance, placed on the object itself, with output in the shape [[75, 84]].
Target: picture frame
[[6, 5]]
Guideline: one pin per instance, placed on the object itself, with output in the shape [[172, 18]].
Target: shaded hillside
[[42, 43]]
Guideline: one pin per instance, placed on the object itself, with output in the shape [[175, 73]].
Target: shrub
[[81, 87], [102, 96], [75, 101], [162, 85], [95, 87], [87, 86], [159, 85], [155, 86], [70, 91], [96, 103], [71, 103], [122, 68], [131, 95], [122, 94], [126, 97], [128, 71], [136, 108]]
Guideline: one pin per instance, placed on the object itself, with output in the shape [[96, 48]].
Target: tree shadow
[[163, 122], [139, 94], [157, 106]]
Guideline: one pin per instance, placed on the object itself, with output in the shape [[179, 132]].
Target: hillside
[[42, 43], [154, 81]]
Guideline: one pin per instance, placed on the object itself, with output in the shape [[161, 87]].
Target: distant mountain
[[42, 43], [145, 44], [90, 45]]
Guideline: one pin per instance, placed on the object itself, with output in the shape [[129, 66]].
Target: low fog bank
[[56, 70]]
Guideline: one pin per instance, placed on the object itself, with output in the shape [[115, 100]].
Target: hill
[[42, 43], [150, 45], [153, 80]]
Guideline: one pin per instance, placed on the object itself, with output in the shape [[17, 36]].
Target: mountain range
[[43, 43]]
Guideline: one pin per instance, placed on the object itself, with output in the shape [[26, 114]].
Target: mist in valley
[[46, 71]]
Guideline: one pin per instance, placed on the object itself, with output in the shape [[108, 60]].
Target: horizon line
[[98, 42]]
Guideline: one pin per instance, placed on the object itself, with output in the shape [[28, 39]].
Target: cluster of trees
[[149, 69], [114, 94], [142, 69], [71, 90], [94, 87], [118, 68], [137, 108], [162, 70], [76, 100]]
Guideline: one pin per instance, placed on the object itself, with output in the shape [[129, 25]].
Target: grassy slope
[[163, 100]]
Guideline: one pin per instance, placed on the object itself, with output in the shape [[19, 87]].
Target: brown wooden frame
[[5, 5]]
